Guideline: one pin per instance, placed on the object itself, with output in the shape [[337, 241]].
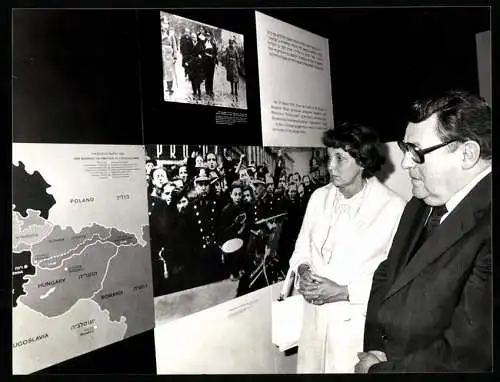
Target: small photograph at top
[[202, 64]]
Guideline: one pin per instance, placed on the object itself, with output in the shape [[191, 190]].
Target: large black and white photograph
[[202, 64], [224, 219]]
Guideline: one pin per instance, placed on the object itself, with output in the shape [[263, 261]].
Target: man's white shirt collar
[[460, 195]]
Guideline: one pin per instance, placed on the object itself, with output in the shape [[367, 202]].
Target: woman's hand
[[307, 287], [319, 290]]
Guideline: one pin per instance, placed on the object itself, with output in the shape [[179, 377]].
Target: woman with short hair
[[346, 232]]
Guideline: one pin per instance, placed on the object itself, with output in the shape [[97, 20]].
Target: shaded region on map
[[21, 266], [125, 292], [54, 291], [30, 191]]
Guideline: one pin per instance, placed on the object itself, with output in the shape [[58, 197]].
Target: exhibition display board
[[79, 226], [295, 84]]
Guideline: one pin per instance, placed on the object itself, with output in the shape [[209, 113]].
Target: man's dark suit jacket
[[434, 313]]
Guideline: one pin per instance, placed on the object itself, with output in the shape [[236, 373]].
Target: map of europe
[[81, 264]]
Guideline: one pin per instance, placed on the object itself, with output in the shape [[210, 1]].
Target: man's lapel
[[405, 240], [461, 220]]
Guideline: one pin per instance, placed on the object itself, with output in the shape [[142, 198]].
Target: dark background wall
[[76, 76], [382, 59], [94, 76]]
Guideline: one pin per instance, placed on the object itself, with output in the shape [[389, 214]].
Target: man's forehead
[[334, 150], [422, 131], [160, 171]]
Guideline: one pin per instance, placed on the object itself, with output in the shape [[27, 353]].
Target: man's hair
[[461, 116], [248, 188], [182, 193], [234, 185], [360, 142], [159, 168]]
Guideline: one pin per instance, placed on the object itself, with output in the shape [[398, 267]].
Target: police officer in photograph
[[204, 219]]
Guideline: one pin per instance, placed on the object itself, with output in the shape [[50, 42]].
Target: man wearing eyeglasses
[[430, 307]]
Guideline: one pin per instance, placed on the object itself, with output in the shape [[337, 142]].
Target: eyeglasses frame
[[404, 146]]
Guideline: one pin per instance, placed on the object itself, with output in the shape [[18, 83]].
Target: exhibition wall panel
[[97, 88], [224, 219], [75, 77]]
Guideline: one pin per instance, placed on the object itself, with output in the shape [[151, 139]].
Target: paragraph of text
[[296, 51], [297, 118], [230, 118]]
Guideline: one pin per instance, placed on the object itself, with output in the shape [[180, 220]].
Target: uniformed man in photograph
[[273, 202], [204, 218], [291, 225], [247, 202], [233, 226], [158, 223]]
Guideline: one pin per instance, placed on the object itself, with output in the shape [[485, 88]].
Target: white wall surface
[[231, 338], [301, 160], [483, 48], [392, 174]]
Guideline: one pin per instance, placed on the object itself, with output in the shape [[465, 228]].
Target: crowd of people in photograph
[[200, 53], [215, 217]]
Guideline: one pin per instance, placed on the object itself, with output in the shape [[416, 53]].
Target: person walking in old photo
[[209, 63], [169, 50], [194, 65], [185, 47], [231, 60], [430, 307]]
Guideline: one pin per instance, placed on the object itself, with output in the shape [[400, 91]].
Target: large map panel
[[80, 244]]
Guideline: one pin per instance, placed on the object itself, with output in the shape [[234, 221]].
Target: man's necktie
[[434, 219], [432, 223]]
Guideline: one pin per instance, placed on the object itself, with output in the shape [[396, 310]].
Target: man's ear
[[471, 153]]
